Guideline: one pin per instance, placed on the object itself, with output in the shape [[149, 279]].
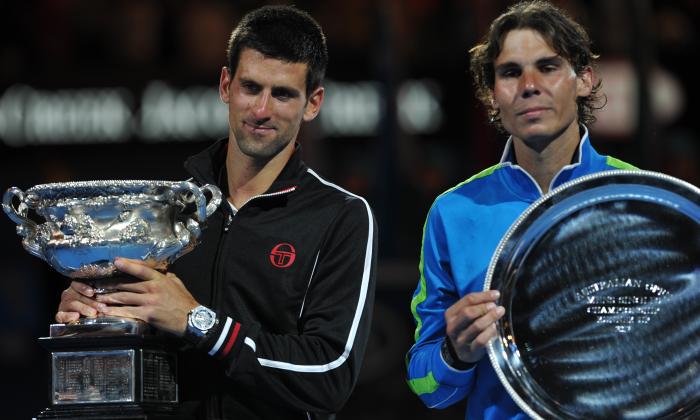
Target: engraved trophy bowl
[[88, 224], [600, 279], [106, 366]]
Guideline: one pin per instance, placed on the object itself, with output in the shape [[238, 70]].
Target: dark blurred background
[[98, 89]]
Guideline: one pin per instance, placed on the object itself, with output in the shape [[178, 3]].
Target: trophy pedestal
[[109, 369], [107, 412]]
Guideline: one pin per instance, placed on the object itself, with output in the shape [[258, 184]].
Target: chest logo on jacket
[[283, 255]]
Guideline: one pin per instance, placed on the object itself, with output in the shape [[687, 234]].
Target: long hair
[[564, 35]]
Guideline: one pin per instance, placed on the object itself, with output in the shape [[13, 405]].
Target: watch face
[[203, 318]]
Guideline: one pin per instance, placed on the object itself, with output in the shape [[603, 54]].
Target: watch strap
[[449, 355]]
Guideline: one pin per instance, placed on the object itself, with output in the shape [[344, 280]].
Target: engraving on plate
[[622, 303]]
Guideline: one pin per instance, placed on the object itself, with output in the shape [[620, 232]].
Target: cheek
[[237, 104], [567, 89], [290, 113], [503, 94]]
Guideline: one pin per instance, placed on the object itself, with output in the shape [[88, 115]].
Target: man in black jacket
[[273, 308]]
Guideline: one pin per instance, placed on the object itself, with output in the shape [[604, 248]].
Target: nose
[[529, 84], [262, 106]]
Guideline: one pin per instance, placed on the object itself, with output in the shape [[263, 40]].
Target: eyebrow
[[248, 82], [554, 59]]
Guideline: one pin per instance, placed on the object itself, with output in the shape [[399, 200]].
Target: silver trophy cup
[[105, 365]]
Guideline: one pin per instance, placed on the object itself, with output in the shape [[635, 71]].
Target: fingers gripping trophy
[[106, 366]]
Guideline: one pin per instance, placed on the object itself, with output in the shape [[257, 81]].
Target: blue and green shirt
[[462, 230]]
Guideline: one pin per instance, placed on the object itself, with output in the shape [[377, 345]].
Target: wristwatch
[[199, 321], [449, 355]]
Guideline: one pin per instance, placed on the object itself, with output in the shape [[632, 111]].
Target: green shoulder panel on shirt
[[618, 164], [424, 385], [486, 172], [422, 294]]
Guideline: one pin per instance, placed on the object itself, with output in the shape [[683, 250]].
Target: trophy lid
[[600, 280], [101, 188]]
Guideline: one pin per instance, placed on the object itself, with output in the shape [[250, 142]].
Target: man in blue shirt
[[534, 74]]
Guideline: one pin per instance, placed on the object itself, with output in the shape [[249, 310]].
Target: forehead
[[254, 65], [524, 45]]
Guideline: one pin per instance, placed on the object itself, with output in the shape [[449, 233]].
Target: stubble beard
[[539, 142], [259, 150]]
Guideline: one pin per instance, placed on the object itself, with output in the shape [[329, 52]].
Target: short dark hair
[[564, 35], [284, 33]]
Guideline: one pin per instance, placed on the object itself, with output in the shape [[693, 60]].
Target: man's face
[[267, 102], [535, 89]]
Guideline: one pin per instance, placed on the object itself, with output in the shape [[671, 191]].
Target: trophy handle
[[215, 199], [17, 214], [190, 231], [25, 226], [203, 209]]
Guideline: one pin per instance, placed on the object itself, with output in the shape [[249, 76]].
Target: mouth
[[533, 112], [257, 128]]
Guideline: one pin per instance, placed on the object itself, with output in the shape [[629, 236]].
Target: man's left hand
[[160, 299]]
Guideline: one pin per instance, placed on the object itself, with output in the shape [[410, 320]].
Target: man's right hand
[[471, 323], [78, 299]]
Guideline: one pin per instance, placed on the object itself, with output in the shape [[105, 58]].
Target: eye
[[550, 65], [284, 94], [509, 72], [250, 87]]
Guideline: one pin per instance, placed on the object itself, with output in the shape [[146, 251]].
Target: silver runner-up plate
[[600, 279]]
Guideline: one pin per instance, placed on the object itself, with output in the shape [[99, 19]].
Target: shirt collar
[[508, 155], [585, 160], [209, 166]]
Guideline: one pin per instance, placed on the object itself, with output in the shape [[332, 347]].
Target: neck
[[543, 164], [248, 177]]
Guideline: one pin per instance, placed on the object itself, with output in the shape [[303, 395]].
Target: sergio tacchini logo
[[283, 255]]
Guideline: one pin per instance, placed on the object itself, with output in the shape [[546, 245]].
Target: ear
[[313, 104], [224, 83], [584, 82]]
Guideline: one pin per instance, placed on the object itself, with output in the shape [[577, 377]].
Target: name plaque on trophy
[[93, 376], [111, 376], [600, 279]]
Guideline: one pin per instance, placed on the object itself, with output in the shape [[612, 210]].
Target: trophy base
[[100, 327], [109, 412], [98, 372]]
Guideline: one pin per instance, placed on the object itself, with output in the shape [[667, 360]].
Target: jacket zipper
[[255, 197], [229, 219], [218, 267]]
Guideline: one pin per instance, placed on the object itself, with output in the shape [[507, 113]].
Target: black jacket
[[291, 277]]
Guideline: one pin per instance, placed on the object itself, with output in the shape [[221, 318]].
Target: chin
[[540, 139], [262, 152]]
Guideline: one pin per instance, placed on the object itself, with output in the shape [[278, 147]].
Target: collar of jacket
[[585, 161], [209, 167]]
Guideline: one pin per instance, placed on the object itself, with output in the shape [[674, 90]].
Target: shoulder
[[469, 188], [615, 163], [326, 192], [602, 162]]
